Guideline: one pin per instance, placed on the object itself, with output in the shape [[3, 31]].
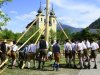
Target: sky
[[76, 13]]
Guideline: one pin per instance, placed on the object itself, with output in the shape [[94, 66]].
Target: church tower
[[40, 22], [53, 23]]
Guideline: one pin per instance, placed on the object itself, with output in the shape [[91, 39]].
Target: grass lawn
[[48, 70]]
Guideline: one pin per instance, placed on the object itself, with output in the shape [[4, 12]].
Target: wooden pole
[[47, 20], [3, 63], [63, 30]]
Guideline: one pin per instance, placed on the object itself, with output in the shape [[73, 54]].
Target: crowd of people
[[85, 50]]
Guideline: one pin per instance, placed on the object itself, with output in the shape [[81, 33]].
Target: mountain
[[95, 24], [70, 28]]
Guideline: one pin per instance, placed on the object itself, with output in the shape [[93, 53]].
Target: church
[[41, 21]]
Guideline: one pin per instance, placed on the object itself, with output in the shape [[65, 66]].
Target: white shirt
[[32, 48], [74, 46], [87, 44], [94, 46], [14, 48], [67, 46], [80, 47], [83, 45]]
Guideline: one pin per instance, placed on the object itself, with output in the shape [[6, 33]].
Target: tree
[[61, 36], [2, 2], [3, 17], [52, 35], [8, 34]]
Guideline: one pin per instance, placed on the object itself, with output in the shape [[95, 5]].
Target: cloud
[[13, 12], [19, 23], [27, 17], [80, 13]]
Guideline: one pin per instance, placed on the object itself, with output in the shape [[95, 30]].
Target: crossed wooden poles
[[42, 29]]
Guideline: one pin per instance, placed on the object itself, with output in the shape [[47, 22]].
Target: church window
[[41, 19], [53, 21]]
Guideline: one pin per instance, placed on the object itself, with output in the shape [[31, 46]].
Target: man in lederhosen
[[13, 54], [80, 53], [3, 51], [68, 53], [56, 55], [74, 48], [31, 54], [86, 52], [94, 47], [43, 48]]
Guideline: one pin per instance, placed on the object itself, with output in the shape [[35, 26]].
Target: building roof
[[40, 9], [52, 13], [30, 24]]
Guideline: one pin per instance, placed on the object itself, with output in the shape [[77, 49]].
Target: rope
[[28, 28]]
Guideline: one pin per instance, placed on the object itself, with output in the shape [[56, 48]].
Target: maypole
[[47, 20]]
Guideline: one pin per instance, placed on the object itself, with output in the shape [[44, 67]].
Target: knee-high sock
[[34, 62], [14, 62], [39, 64], [67, 60], [70, 61], [81, 62], [43, 64], [95, 63], [28, 64]]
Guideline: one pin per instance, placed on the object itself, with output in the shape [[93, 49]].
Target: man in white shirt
[[31, 54], [86, 52], [94, 47], [74, 48], [80, 53], [68, 53], [13, 53]]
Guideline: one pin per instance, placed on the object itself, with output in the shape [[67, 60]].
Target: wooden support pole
[[47, 20], [3, 63], [63, 30], [3, 70]]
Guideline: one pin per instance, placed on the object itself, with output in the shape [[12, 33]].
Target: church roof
[[52, 11], [40, 9], [30, 24]]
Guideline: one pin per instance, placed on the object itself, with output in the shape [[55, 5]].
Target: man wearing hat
[[3, 51]]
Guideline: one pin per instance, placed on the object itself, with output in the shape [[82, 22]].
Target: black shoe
[[89, 66], [85, 66], [95, 67], [38, 68], [74, 66]]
